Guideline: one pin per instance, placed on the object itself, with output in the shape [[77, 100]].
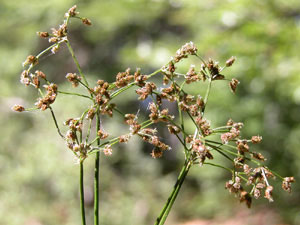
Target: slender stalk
[[76, 62], [182, 126], [167, 207], [55, 121], [119, 91], [89, 131], [206, 96], [96, 176], [82, 195], [216, 165], [75, 94]]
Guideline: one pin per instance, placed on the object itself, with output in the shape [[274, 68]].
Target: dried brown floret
[[40, 74], [200, 102], [286, 183], [256, 193], [256, 139], [247, 169], [35, 81], [230, 122], [230, 61], [73, 78], [204, 125], [233, 84], [200, 150], [71, 135], [192, 75], [86, 21], [31, 59], [184, 51], [102, 134], [232, 186], [24, 79], [156, 153], [246, 197], [49, 98], [55, 49], [143, 92], [154, 115], [43, 34], [173, 129], [258, 156], [124, 138], [18, 108], [171, 67], [164, 115], [213, 68], [123, 78], [268, 193], [130, 119], [91, 113], [53, 39], [107, 150], [72, 11], [242, 146], [60, 32], [239, 162]]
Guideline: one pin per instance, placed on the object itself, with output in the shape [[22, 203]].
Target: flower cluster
[[80, 149], [49, 98], [185, 50], [73, 78], [156, 115], [149, 135], [102, 97]]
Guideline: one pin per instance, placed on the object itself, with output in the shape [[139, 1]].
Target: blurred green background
[[38, 176]]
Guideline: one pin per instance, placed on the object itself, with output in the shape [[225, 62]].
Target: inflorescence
[[250, 178]]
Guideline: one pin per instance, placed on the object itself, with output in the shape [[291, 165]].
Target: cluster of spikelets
[[197, 146]]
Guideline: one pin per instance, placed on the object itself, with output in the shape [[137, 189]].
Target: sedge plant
[[250, 177]]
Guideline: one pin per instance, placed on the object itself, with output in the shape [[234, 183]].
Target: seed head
[[230, 61], [102, 134], [107, 150], [72, 11], [31, 59], [86, 21], [18, 108], [246, 197], [286, 183], [43, 34], [40, 74], [256, 139], [233, 84], [268, 193], [156, 153]]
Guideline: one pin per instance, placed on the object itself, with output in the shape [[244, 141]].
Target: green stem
[[77, 63], [119, 91], [206, 96], [82, 195], [89, 131], [55, 122], [96, 176], [167, 207], [182, 125], [216, 165], [219, 150], [75, 94]]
